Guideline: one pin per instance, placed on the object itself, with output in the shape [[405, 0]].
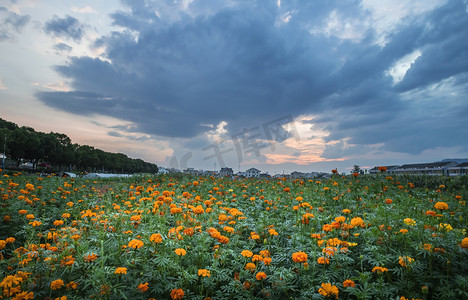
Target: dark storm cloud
[[11, 23], [68, 27], [171, 73], [444, 46]]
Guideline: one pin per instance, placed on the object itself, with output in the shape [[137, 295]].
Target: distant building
[[226, 172], [460, 169], [252, 172], [163, 171], [191, 171], [436, 168]]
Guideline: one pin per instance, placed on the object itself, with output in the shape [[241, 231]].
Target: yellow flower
[[204, 273], [180, 251], [329, 290], [120, 270], [56, 284], [409, 221], [445, 227]]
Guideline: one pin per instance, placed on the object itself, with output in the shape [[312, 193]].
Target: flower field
[[184, 237]]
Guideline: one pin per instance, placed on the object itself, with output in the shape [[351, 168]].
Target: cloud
[[173, 68], [62, 47], [2, 86], [86, 9], [68, 27], [11, 23]]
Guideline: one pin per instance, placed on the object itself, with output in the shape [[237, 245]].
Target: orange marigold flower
[[246, 253], [156, 238], [120, 270], [327, 227], [346, 211], [67, 260], [265, 253], [56, 284], [143, 287], [340, 219], [329, 290], [257, 257], [10, 240], [261, 276], [388, 201], [267, 261], [464, 243], [349, 283], [357, 221], [228, 229], [441, 206], [323, 260], [23, 212], [272, 231], [405, 261], [379, 270], [250, 266], [180, 251], [90, 257], [204, 273], [30, 216], [135, 244], [299, 257], [72, 285], [177, 294], [430, 213]]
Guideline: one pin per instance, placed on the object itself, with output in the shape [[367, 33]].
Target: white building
[[252, 172]]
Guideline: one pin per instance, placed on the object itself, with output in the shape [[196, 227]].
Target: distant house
[[298, 175], [192, 171], [252, 172], [375, 170], [163, 171], [105, 175], [226, 172], [436, 168], [264, 175], [460, 169]]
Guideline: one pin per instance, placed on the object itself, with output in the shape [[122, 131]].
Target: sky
[[278, 85]]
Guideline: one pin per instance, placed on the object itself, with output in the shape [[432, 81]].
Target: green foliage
[[81, 231]]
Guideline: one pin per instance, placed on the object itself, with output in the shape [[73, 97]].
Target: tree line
[[24, 144]]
